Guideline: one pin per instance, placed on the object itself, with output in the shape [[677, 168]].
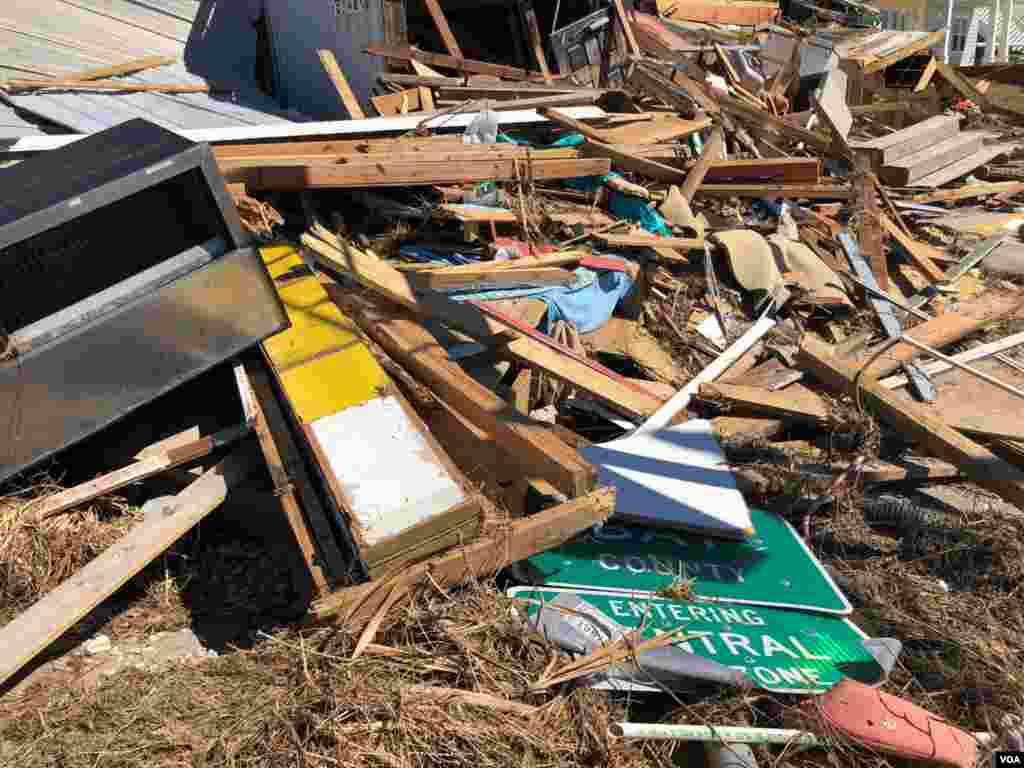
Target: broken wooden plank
[[379, 174], [682, 93], [128, 68], [711, 153], [919, 253], [965, 165], [921, 44], [340, 83], [34, 629], [644, 240], [413, 347], [970, 190], [406, 53], [537, 43], [870, 236], [17, 84], [743, 428], [401, 103], [796, 403], [135, 472], [520, 539], [620, 12], [441, 24], [514, 276], [975, 353], [970, 316], [812, 191], [410, 695], [915, 422], [926, 76], [961, 84]]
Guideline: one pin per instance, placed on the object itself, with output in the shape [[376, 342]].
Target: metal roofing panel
[[13, 125], [61, 37], [85, 111]]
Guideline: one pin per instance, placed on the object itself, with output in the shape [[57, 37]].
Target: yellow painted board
[[322, 362]]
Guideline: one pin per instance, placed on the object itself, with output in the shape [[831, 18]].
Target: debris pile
[[644, 397]]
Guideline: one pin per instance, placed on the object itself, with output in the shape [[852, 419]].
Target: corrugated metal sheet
[[57, 38]]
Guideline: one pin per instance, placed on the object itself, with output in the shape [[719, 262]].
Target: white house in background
[[978, 31]]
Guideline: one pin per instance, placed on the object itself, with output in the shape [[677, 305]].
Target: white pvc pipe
[[664, 415], [727, 734]]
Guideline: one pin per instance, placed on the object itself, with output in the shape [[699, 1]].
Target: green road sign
[[773, 568], [782, 651]]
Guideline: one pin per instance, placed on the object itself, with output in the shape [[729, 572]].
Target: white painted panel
[[391, 477], [673, 478]]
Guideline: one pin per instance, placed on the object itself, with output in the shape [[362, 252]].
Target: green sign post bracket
[[774, 568], [778, 650]]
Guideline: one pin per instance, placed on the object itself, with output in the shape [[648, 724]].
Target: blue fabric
[[427, 256], [588, 303]]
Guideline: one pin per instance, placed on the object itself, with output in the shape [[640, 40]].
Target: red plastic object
[[890, 724]]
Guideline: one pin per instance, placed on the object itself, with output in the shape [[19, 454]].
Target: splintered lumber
[[680, 95], [519, 540], [926, 76], [634, 47], [915, 422], [870, 236], [441, 23], [712, 152], [419, 352], [763, 121], [747, 428], [650, 133], [975, 353], [795, 403], [789, 170], [971, 315], [117, 85], [406, 53], [961, 84], [135, 472], [921, 44], [446, 697], [524, 275], [919, 253], [970, 190], [337, 77], [913, 169], [380, 173], [34, 629], [651, 241], [812, 191], [596, 143], [401, 103], [482, 321], [964, 166], [536, 42], [128, 68]]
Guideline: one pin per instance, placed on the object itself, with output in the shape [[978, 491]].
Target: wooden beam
[[870, 236], [926, 76], [401, 103], [970, 190], [135, 472], [441, 23], [519, 539], [669, 92], [795, 403], [915, 422], [921, 44], [537, 43], [523, 275], [33, 630], [338, 79], [302, 176], [419, 352], [712, 152], [970, 316], [762, 120], [820, 191], [95, 85], [634, 47], [448, 62], [650, 241], [128, 68]]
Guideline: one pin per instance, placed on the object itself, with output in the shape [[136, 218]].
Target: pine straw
[[298, 699]]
